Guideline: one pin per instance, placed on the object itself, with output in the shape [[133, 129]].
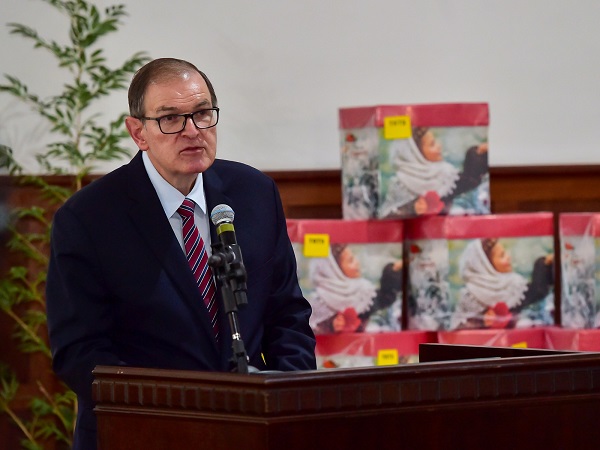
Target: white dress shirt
[[171, 199]]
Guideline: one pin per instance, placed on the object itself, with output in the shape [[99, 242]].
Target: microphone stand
[[229, 269]]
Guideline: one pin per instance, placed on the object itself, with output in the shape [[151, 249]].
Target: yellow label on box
[[519, 345], [316, 245], [388, 357], [397, 127]]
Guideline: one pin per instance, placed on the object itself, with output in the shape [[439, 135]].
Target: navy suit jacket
[[120, 291]]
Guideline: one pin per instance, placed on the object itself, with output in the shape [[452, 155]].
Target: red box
[[570, 339], [364, 349], [580, 269], [401, 161], [351, 273], [493, 271], [527, 338]]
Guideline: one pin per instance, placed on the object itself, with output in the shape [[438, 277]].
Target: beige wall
[[282, 68]]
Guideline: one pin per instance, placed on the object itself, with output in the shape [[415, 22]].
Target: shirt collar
[[170, 198]]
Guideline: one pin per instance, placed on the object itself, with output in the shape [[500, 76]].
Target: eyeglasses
[[175, 123]]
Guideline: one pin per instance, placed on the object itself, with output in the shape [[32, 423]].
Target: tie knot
[[187, 208]]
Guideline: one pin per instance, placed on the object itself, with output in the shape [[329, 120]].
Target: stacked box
[[411, 160], [351, 273], [521, 338], [477, 272], [370, 349], [580, 268], [572, 339]]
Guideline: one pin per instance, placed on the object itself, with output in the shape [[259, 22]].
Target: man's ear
[[136, 130]]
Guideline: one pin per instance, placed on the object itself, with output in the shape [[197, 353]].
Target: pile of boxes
[[419, 256]]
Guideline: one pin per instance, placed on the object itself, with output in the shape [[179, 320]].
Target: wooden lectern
[[503, 399]]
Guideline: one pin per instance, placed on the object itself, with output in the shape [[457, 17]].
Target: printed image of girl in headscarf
[[494, 296], [343, 301], [423, 182]]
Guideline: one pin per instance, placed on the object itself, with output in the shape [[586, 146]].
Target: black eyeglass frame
[[185, 119]]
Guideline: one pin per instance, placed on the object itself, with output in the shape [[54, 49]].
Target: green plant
[[82, 142]]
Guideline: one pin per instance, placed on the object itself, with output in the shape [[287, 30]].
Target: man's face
[[177, 157]]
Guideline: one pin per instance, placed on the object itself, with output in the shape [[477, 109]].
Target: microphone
[[227, 253], [222, 217]]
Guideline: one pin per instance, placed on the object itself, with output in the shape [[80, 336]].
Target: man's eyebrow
[[173, 109], [168, 109]]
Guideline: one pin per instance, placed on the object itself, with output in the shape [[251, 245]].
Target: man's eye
[[170, 118]]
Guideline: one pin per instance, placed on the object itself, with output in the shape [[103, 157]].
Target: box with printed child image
[[477, 272], [413, 160], [351, 273], [370, 349], [580, 268], [517, 338]]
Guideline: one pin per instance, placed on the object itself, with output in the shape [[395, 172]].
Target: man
[[120, 289]]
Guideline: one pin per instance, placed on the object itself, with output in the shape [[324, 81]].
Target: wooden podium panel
[[530, 402], [550, 401]]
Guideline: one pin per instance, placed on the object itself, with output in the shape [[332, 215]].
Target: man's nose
[[190, 128]]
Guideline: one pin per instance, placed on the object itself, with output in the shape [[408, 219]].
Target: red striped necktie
[[198, 259]]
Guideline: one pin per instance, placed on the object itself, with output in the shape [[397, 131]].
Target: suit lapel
[[213, 190]]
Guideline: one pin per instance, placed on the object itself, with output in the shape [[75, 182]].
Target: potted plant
[[81, 142]]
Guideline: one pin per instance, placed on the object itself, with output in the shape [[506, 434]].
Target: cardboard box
[[579, 235], [494, 271], [401, 161], [370, 349], [571, 339], [351, 273], [521, 338]]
